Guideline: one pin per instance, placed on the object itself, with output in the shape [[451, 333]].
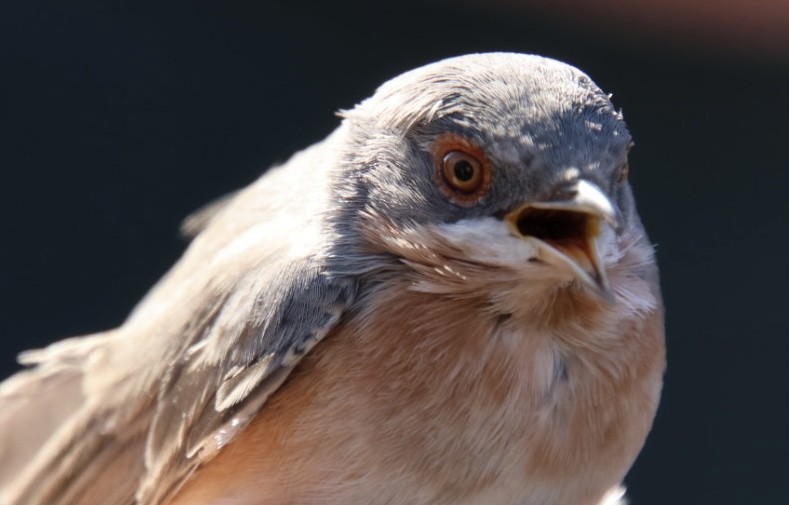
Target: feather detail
[[126, 417], [199, 220], [239, 381]]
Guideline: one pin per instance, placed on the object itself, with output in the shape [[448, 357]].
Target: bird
[[449, 300]]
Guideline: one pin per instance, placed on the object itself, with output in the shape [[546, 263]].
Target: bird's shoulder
[[196, 358]]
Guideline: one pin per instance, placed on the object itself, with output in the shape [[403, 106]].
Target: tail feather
[[49, 428], [34, 404]]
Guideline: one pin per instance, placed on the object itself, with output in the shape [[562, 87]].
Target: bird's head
[[493, 167]]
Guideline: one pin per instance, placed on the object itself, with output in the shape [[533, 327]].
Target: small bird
[[449, 300]]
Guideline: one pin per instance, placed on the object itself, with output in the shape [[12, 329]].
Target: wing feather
[[142, 407]]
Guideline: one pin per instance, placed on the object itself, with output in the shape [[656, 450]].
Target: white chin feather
[[489, 241]]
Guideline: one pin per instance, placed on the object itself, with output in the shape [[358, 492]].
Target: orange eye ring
[[462, 169]]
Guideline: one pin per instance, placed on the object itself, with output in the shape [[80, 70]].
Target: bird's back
[[87, 423]]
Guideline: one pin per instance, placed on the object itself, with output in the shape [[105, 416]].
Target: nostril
[[556, 225], [565, 194]]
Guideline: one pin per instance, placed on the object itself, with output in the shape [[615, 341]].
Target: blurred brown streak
[[740, 28]]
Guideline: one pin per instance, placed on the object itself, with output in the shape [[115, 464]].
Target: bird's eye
[[462, 169]]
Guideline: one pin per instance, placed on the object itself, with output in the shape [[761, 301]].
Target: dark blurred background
[[117, 119]]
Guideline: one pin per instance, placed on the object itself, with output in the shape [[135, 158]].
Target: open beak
[[568, 229]]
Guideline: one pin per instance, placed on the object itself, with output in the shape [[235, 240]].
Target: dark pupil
[[464, 171]]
